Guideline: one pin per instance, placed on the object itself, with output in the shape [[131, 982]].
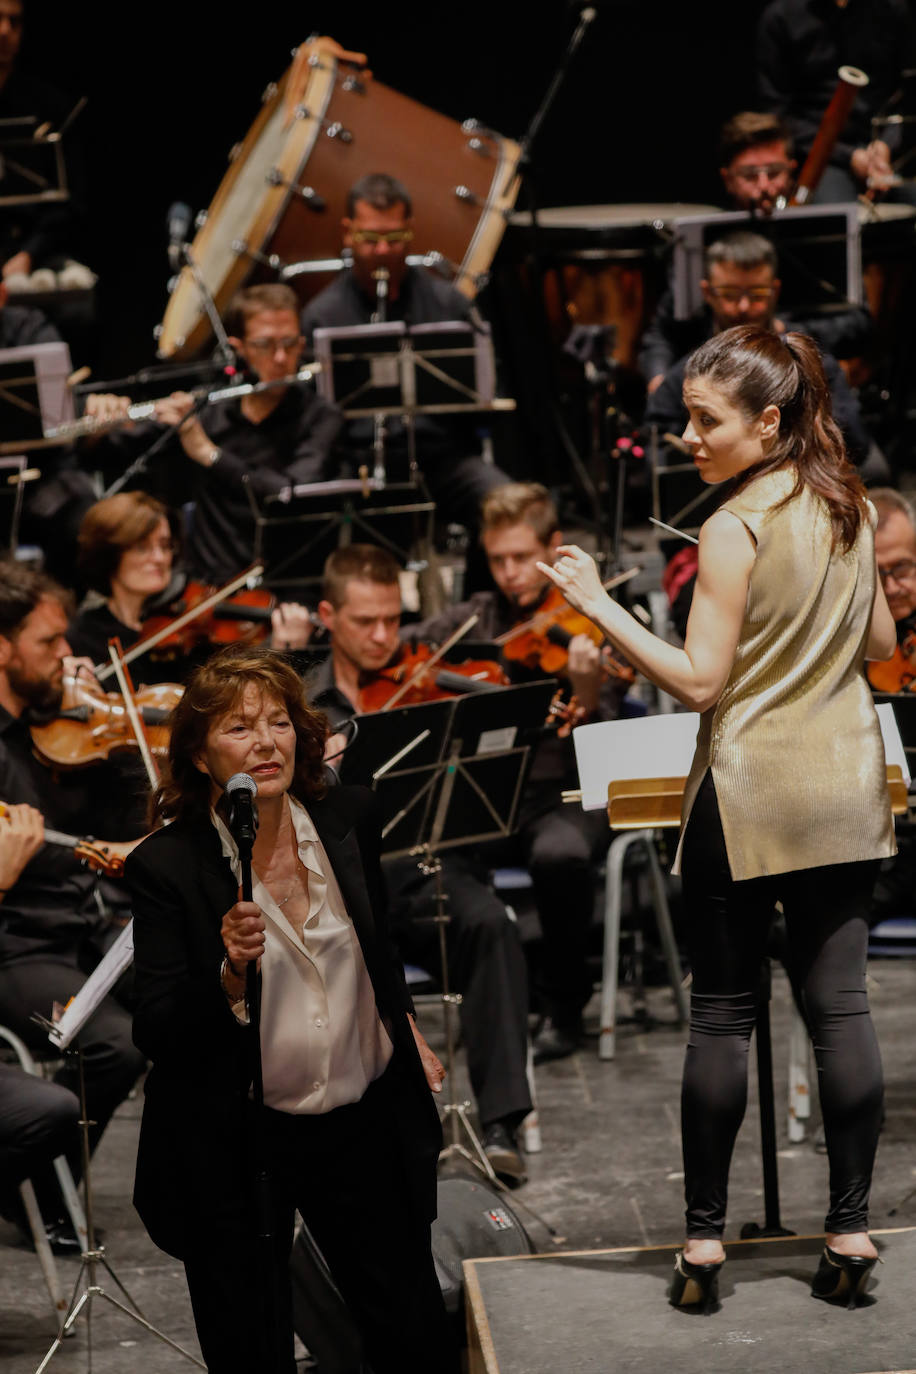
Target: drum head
[[285, 193]]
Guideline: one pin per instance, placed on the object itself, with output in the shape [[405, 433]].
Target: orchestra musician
[[127, 550], [38, 1120], [756, 162], [377, 230], [561, 846], [46, 233], [350, 1133], [361, 609], [741, 286], [787, 797], [56, 918], [264, 441], [800, 46], [757, 169], [895, 549]]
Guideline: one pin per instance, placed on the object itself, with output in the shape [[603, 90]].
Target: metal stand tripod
[[90, 1260]]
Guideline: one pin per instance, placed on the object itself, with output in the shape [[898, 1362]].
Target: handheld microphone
[[178, 222], [241, 790]]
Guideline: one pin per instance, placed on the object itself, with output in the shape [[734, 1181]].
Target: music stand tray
[[34, 395], [395, 369]]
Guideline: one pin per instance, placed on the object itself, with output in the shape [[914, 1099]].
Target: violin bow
[[616, 581], [252, 574], [133, 715], [431, 662]]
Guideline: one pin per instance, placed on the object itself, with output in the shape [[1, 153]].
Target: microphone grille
[[241, 782]]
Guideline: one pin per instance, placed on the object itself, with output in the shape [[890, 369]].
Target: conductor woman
[[787, 798], [350, 1132]]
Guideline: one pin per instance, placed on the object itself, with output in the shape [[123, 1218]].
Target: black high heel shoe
[[842, 1276], [695, 1285]]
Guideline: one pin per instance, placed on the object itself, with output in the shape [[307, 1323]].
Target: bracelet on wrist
[[212, 457], [226, 968]]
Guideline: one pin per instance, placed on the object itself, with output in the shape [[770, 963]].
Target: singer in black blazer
[[194, 1179]]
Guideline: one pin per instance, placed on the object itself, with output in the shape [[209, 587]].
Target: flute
[[146, 410]]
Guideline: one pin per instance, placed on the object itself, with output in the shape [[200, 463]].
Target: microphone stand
[[381, 277], [243, 825]]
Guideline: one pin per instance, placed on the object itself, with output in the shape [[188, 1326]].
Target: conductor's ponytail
[[756, 367]]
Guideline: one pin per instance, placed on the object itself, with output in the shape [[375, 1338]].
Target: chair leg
[[666, 931], [611, 958], [799, 1084]]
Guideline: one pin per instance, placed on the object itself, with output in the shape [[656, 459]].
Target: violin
[[92, 723], [541, 643], [417, 676], [103, 856], [242, 618], [897, 674], [200, 610]]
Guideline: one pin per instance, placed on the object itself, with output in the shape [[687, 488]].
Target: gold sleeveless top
[[793, 742]]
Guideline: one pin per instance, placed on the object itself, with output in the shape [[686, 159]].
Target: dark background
[[173, 86]]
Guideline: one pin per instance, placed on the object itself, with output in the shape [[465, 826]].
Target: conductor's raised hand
[[576, 574], [243, 934]]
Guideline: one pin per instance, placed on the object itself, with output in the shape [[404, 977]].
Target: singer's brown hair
[[213, 691], [756, 368]]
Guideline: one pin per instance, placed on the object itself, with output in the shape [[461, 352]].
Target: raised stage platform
[[606, 1312]]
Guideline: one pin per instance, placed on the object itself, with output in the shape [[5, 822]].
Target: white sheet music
[[96, 987], [662, 747]]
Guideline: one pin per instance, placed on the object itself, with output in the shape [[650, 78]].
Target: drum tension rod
[[273, 262], [335, 130], [308, 193]]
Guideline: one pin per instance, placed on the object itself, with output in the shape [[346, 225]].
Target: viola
[[92, 723], [541, 643], [104, 856], [417, 675]]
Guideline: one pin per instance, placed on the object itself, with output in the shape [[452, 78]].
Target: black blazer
[[193, 1164]]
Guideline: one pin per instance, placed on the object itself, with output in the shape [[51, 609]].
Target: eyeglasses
[[150, 546], [273, 345], [738, 293], [770, 170], [372, 238], [904, 571]]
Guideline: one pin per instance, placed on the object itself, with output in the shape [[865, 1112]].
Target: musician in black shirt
[[377, 231], [263, 442], [56, 918]]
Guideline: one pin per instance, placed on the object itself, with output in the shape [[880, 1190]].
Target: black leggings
[[826, 911]]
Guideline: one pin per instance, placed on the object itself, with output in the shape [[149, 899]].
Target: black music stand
[[64, 1035], [467, 793], [395, 515]]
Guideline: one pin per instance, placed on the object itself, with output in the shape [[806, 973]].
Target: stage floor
[[609, 1176], [599, 1311]]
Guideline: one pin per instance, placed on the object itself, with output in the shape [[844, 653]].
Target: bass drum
[[284, 195], [599, 264]]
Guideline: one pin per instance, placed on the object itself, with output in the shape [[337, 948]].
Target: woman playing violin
[[128, 545], [560, 845]]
